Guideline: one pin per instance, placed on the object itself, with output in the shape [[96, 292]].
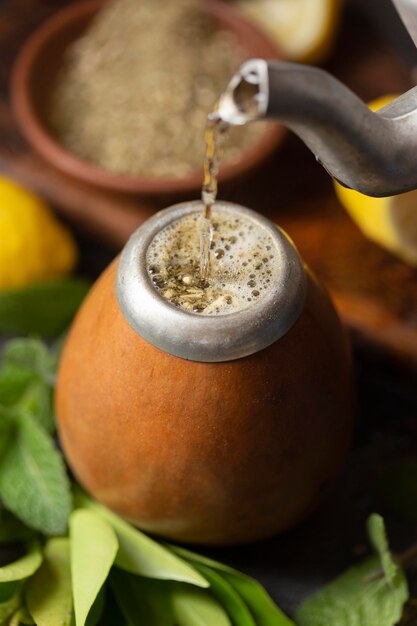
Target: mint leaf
[[260, 603], [139, 554], [27, 377], [354, 600], [46, 308], [378, 539], [48, 593], [38, 401], [23, 567], [93, 549], [193, 606], [33, 480], [227, 596], [32, 356], [141, 600]]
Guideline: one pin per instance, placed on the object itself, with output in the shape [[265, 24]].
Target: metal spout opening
[[246, 96]]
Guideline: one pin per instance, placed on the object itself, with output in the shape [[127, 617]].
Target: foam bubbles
[[243, 261]]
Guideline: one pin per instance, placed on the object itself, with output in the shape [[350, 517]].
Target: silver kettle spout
[[374, 153]]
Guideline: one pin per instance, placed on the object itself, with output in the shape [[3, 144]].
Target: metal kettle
[[374, 153]]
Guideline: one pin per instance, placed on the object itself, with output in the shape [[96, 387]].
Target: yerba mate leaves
[[227, 596], [48, 594], [93, 549], [142, 600], [196, 607], [24, 567], [10, 599], [261, 605], [139, 554]]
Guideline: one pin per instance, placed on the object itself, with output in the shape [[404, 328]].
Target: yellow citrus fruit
[[391, 221], [303, 29], [34, 246]]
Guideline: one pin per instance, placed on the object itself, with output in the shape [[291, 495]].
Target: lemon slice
[[391, 221], [303, 29]]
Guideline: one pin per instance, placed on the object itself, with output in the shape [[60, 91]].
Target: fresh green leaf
[[48, 593], [7, 430], [46, 308], [227, 596], [10, 599], [38, 401], [93, 549], [13, 382], [378, 539], [196, 607], [21, 617], [32, 356], [27, 376], [354, 599], [23, 567], [139, 554], [33, 480], [142, 600], [261, 605], [97, 609]]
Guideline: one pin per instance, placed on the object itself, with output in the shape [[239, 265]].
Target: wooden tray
[[375, 294]]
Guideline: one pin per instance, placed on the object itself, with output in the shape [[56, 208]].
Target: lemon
[[303, 29], [391, 221], [34, 246]]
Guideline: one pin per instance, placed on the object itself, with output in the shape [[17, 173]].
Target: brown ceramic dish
[[42, 57]]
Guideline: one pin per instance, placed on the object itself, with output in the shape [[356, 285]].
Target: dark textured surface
[[294, 565]]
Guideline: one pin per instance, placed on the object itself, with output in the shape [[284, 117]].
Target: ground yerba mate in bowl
[[134, 93], [167, 129]]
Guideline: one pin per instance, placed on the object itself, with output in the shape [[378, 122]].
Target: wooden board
[[375, 294]]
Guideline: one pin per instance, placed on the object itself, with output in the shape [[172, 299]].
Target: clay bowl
[[40, 61]]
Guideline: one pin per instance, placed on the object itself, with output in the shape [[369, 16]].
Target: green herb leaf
[[45, 308], [196, 607], [13, 382], [261, 605], [48, 593], [10, 599], [227, 596], [139, 554], [27, 376], [33, 480], [7, 430], [141, 600], [97, 609], [355, 600], [21, 617], [378, 539], [93, 549], [23, 567], [31, 356]]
